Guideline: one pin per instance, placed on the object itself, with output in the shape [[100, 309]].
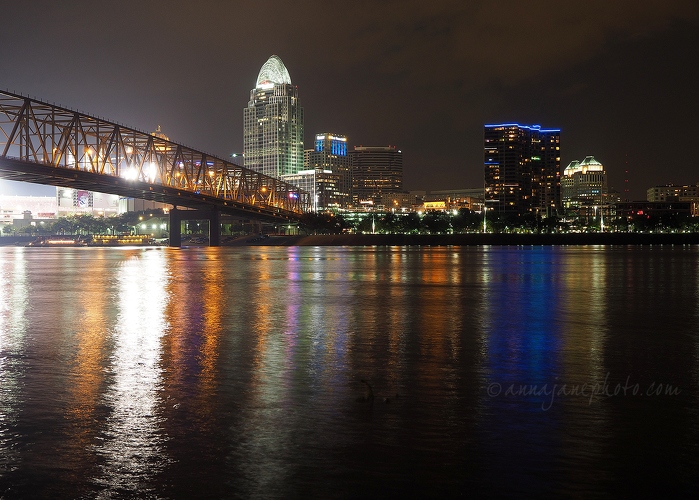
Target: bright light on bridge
[[152, 171], [130, 174]]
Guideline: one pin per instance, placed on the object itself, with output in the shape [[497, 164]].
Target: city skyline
[[426, 78]]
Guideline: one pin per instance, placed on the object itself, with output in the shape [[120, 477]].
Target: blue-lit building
[[522, 168], [330, 159], [273, 123], [331, 143]]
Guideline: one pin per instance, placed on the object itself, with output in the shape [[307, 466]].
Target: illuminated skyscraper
[[273, 123], [522, 168], [329, 154], [376, 171], [584, 183]]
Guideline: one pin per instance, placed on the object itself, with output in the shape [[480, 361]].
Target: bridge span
[[47, 144]]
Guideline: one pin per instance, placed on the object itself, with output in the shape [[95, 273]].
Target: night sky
[[619, 78]]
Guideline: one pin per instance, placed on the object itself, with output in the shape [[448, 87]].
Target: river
[[249, 371]]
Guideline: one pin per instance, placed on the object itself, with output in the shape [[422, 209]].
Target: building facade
[[273, 123], [454, 199], [321, 185], [376, 171], [670, 192], [584, 184], [522, 168], [330, 154]]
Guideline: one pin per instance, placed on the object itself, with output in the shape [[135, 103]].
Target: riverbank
[[440, 239], [473, 239]]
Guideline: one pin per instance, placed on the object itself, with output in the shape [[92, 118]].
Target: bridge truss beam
[[47, 144]]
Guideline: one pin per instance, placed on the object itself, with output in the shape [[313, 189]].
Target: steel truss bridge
[[48, 144]]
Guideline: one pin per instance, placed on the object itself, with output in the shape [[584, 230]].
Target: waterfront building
[[376, 171], [330, 154], [522, 168], [273, 123], [454, 199], [14, 209], [321, 185], [584, 184], [670, 192], [397, 202], [656, 208]]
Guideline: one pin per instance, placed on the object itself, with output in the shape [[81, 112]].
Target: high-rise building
[[522, 168], [273, 123], [584, 183], [330, 154], [376, 171]]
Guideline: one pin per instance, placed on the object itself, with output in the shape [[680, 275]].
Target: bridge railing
[[42, 133]]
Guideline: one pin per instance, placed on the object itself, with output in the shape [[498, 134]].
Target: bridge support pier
[[175, 228], [177, 216], [215, 229]]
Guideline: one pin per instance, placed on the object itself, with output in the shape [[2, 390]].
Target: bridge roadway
[[47, 144]]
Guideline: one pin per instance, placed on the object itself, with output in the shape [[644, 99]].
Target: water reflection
[[14, 303], [545, 311], [133, 440], [224, 372]]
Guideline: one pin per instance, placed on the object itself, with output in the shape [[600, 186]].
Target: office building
[[321, 185], [670, 192], [584, 184], [376, 171], [273, 123], [330, 154], [522, 168]]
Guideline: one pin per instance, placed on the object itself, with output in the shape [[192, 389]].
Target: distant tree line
[[84, 224], [468, 221], [463, 221]]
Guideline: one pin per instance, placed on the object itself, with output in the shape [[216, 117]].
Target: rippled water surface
[[237, 372]]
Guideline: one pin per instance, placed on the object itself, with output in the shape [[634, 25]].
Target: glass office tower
[[376, 171], [273, 123], [522, 168], [330, 154]]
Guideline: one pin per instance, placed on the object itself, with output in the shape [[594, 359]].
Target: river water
[[237, 372]]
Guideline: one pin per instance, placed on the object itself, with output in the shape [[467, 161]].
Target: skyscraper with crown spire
[[273, 123]]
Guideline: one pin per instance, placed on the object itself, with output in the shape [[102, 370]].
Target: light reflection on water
[[237, 372], [13, 306], [132, 441]]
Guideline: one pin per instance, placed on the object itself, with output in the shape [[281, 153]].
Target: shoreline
[[473, 239], [470, 239]]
